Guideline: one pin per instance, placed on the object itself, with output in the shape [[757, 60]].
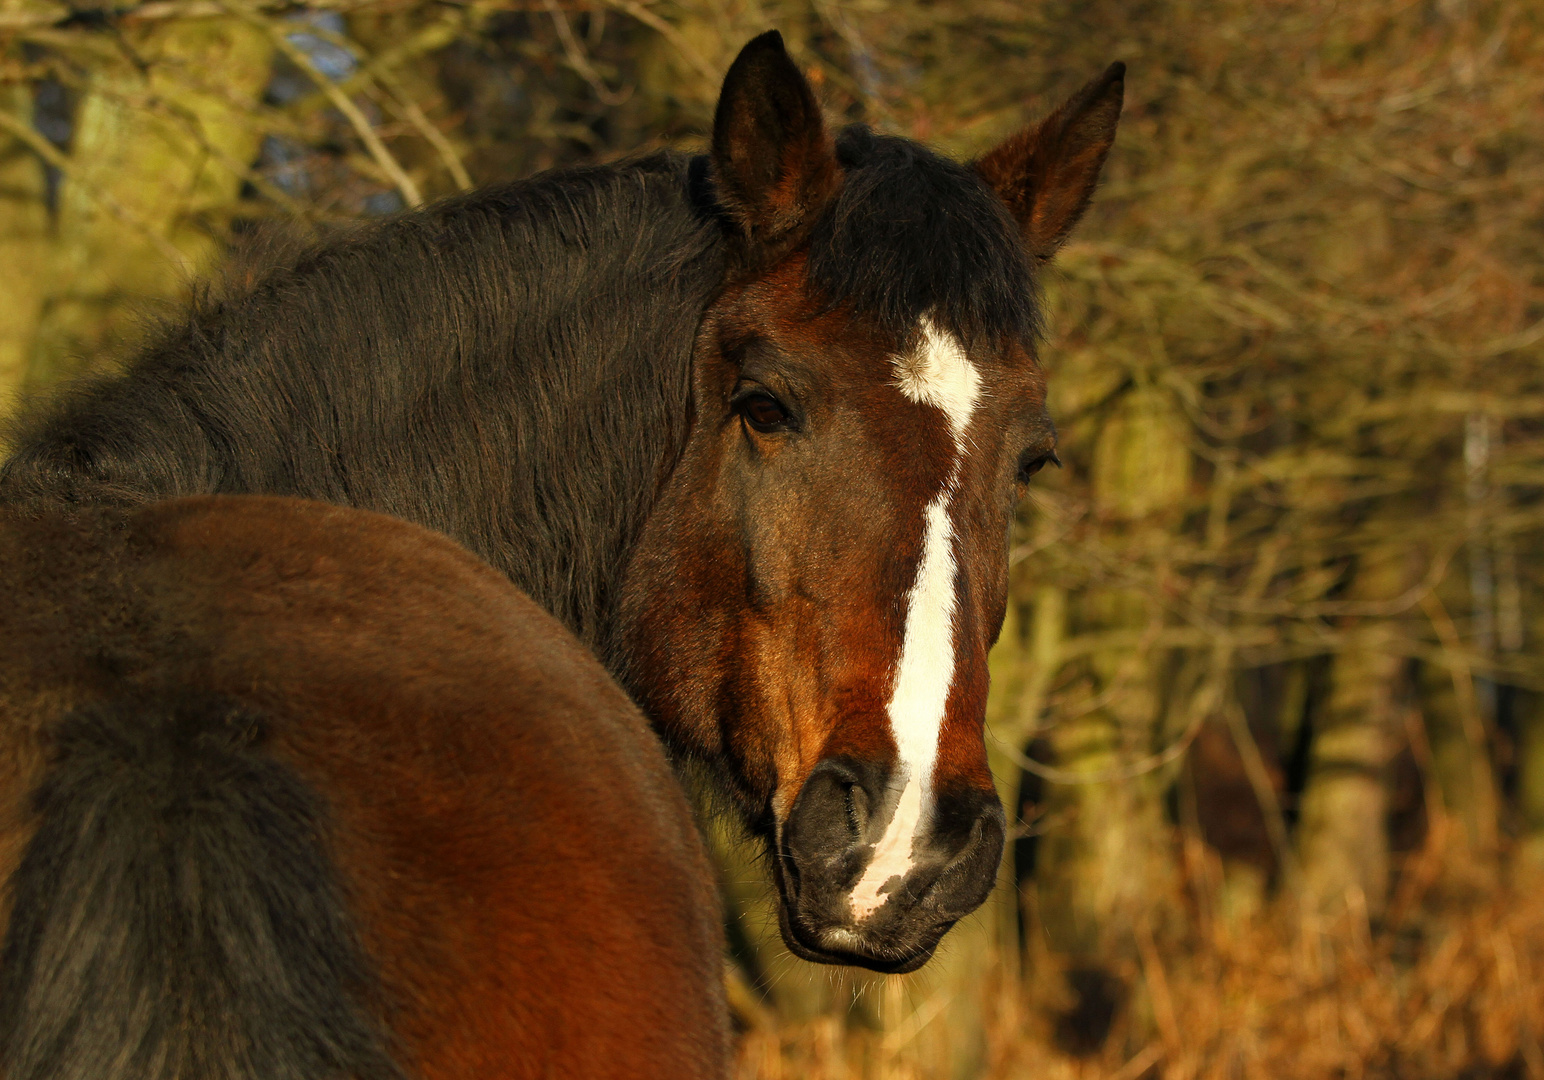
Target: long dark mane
[[510, 367]]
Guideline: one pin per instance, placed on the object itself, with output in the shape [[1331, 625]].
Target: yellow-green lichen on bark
[[156, 154], [25, 243], [1103, 867]]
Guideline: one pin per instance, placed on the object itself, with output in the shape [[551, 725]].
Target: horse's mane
[[511, 367]]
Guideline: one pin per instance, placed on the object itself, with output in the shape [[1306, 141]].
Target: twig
[[744, 1003], [1265, 795], [1469, 716], [43, 15], [383, 157], [379, 71], [1125, 772], [1421, 872], [1158, 988], [1137, 1067], [432, 134], [920, 1017], [1411, 597], [670, 34], [579, 61]]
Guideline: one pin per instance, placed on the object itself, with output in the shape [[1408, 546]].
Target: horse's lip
[[859, 956], [798, 939]]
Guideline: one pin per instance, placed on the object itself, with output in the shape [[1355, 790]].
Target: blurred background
[[1266, 710]]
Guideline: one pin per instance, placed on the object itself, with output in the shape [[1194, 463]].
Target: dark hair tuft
[[912, 233]]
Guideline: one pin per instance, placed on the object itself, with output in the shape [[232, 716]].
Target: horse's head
[[815, 593]]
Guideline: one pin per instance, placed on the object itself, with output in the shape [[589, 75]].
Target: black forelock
[[911, 234]]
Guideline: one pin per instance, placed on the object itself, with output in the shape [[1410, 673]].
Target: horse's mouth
[[842, 944], [848, 949]]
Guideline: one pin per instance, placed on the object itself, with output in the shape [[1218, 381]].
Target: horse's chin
[[844, 945], [856, 955]]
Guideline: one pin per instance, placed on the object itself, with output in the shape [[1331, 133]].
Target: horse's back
[[509, 847]]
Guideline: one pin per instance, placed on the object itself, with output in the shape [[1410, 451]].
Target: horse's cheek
[[674, 624]]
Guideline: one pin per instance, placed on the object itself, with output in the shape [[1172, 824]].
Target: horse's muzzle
[[826, 846]]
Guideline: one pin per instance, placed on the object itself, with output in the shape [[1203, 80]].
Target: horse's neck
[[512, 370]]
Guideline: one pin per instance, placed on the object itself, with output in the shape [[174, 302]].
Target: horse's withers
[[817, 588]]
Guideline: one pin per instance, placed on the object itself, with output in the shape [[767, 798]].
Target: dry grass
[[1453, 989]]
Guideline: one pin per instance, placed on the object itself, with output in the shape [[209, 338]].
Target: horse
[[359, 627]]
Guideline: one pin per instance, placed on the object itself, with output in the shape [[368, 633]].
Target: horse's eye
[[1031, 463], [763, 412]]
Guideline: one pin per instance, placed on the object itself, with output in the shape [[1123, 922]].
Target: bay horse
[[333, 620]]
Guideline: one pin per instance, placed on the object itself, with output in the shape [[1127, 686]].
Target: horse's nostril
[[856, 799], [970, 862]]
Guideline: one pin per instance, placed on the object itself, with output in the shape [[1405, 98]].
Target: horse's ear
[[1047, 173], [773, 163]]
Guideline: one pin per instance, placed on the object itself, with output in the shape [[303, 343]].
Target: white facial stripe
[[936, 373], [923, 677]]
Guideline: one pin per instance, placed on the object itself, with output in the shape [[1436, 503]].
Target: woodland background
[[1268, 703]]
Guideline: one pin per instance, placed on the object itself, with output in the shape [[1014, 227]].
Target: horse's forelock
[[912, 235]]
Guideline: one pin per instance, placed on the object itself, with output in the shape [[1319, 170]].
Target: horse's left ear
[[1047, 173], [773, 163]]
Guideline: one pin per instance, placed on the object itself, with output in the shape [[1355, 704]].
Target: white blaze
[[938, 373]]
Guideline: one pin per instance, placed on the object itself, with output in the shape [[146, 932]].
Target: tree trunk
[[1342, 832], [154, 158], [1461, 763], [1105, 866], [24, 248], [1528, 721]]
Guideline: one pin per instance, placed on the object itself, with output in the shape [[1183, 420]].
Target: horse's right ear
[[773, 163], [1047, 173]]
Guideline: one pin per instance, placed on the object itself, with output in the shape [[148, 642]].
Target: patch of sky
[[53, 117], [284, 160], [314, 37], [382, 203], [51, 112]]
